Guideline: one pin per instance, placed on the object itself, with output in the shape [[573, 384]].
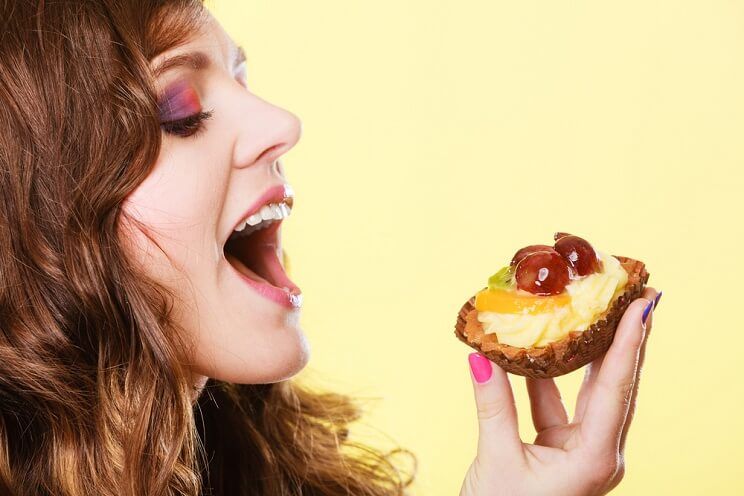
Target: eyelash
[[193, 124], [188, 126]]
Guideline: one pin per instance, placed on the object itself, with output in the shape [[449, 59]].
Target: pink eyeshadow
[[179, 101]]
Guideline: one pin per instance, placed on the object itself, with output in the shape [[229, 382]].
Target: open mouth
[[254, 248]]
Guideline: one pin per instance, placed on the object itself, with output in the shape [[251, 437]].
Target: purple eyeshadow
[[179, 101]]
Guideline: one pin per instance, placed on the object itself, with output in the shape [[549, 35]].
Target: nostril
[[270, 152]]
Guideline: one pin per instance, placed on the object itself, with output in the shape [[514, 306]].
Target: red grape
[[579, 254], [527, 250], [543, 273]]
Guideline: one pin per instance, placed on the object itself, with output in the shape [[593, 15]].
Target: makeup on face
[[179, 101]]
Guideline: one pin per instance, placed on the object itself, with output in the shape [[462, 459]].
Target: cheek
[[237, 335], [168, 230], [177, 203]]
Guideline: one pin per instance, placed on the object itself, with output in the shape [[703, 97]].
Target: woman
[[146, 345]]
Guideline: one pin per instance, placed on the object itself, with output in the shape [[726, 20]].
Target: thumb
[[498, 437]]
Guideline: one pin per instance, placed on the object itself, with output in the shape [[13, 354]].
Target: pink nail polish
[[480, 366]]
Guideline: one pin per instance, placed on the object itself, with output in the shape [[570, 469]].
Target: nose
[[266, 132]]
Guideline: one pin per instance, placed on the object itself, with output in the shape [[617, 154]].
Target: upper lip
[[276, 194]]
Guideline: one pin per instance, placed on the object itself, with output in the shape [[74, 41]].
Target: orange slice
[[501, 301]]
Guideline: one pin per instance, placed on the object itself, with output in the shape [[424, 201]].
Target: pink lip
[[275, 194], [291, 299]]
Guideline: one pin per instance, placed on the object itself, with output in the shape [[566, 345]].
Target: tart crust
[[560, 357]]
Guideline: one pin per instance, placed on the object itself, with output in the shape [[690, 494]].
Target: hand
[[580, 458]]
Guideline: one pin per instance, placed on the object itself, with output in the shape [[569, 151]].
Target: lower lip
[[289, 299]]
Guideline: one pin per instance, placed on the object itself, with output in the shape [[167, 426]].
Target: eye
[[188, 126]]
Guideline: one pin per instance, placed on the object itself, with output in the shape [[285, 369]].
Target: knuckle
[[490, 409], [622, 390], [615, 479], [604, 469], [619, 473], [626, 389]]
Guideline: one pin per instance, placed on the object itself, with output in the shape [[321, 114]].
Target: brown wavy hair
[[95, 398]]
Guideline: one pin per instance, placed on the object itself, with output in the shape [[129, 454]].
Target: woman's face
[[240, 308]]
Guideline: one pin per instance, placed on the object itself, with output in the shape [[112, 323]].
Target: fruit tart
[[553, 309]]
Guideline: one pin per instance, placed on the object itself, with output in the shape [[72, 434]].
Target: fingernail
[[646, 311], [480, 366], [656, 300]]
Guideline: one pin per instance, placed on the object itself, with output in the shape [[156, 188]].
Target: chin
[[293, 361], [280, 360]]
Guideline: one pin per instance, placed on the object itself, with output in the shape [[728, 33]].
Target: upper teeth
[[272, 211]]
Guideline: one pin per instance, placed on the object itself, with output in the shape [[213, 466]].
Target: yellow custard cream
[[590, 296]]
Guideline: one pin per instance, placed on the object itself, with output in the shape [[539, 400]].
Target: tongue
[[266, 263], [243, 269], [264, 266]]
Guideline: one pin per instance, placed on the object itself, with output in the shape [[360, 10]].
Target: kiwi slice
[[503, 279]]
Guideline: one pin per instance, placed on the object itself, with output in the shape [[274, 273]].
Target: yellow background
[[440, 136]]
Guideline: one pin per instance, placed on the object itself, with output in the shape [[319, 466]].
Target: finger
[[609, 399], [546, 404], [590, 375], [641, 358], [498, 438]]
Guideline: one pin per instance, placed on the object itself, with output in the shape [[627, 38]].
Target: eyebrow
[[195, 60]]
